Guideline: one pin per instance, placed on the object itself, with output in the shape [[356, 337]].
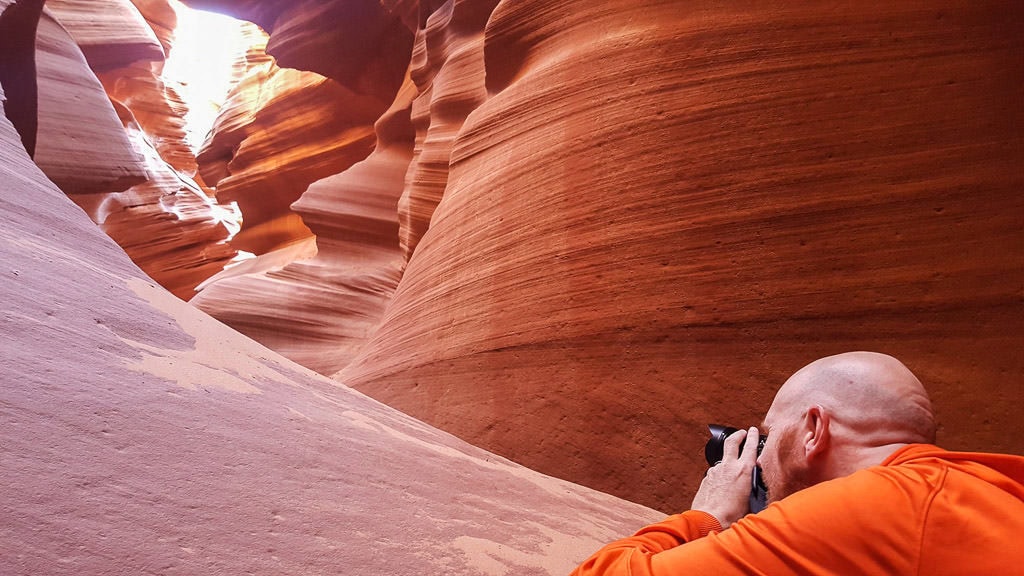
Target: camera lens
[[715, 447]]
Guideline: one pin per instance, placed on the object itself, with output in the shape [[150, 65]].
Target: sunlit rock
[[320, 310], [168, 225], [162, 19], [362, 44], [166, 222], [283, 130]]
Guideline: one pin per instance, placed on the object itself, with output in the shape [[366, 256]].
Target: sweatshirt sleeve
[[867, 523], [632, 556]]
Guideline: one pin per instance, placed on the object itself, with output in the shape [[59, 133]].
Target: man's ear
[[816, 431]]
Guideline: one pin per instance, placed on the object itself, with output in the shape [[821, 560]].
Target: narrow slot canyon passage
[[446, 287]]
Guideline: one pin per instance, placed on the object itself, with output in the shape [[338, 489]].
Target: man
[[855, 487]]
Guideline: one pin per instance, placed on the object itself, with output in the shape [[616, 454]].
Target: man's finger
[[749, 454], [731, 447]]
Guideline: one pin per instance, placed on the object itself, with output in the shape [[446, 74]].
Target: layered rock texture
[[141, 436], [587, 230]]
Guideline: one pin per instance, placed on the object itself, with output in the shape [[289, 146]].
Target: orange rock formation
[[587, 230], [660, 211]]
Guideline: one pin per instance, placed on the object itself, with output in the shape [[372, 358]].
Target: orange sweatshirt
[[923, 511]]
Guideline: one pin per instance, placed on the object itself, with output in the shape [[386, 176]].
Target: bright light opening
[[206, 48]]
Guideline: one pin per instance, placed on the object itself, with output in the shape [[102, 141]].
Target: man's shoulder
[[905, 488], [1002, 472], [892, 488]]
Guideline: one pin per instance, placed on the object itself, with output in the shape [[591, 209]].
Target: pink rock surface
[[111, 34], [143, 437], [81, 148], [661, 211]]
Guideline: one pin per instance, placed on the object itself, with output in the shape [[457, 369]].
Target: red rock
[[168, 225], [348, 276], [362, 44], [293, 129], [161, 18], [141, 436], [448, 68], [166, 222], [642, 218], [660, 212]]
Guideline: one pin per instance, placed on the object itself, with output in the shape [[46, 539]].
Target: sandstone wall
[[659, 211], [315, 300]]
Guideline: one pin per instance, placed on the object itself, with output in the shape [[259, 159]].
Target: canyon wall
[[141, 436], [657, 212], [585, 231]]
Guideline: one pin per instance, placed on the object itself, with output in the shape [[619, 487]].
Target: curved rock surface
[[315, 303], [447, 65], [361, 44], [143, 437], [318, 304], [66, 147], [661, 211], [292, 129], [112, 34]]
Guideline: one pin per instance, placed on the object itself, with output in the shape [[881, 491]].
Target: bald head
[[872, 397]]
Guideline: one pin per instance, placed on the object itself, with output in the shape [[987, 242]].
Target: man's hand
[[724, 493]]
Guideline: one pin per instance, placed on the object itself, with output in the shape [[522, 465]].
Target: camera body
[[714, 449]]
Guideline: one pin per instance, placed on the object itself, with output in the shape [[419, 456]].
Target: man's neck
[[862, 457]]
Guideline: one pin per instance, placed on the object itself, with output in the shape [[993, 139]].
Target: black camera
[[713, 454]]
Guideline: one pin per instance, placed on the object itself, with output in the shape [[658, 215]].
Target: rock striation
[[65, 133], [327, 297], [282, 130], [113, 36], [141, 436], [361, 44], [659, 211]]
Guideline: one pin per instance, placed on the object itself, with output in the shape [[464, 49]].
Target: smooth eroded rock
[[111, 34], [318, 304], [143, 437], [81, 145]]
